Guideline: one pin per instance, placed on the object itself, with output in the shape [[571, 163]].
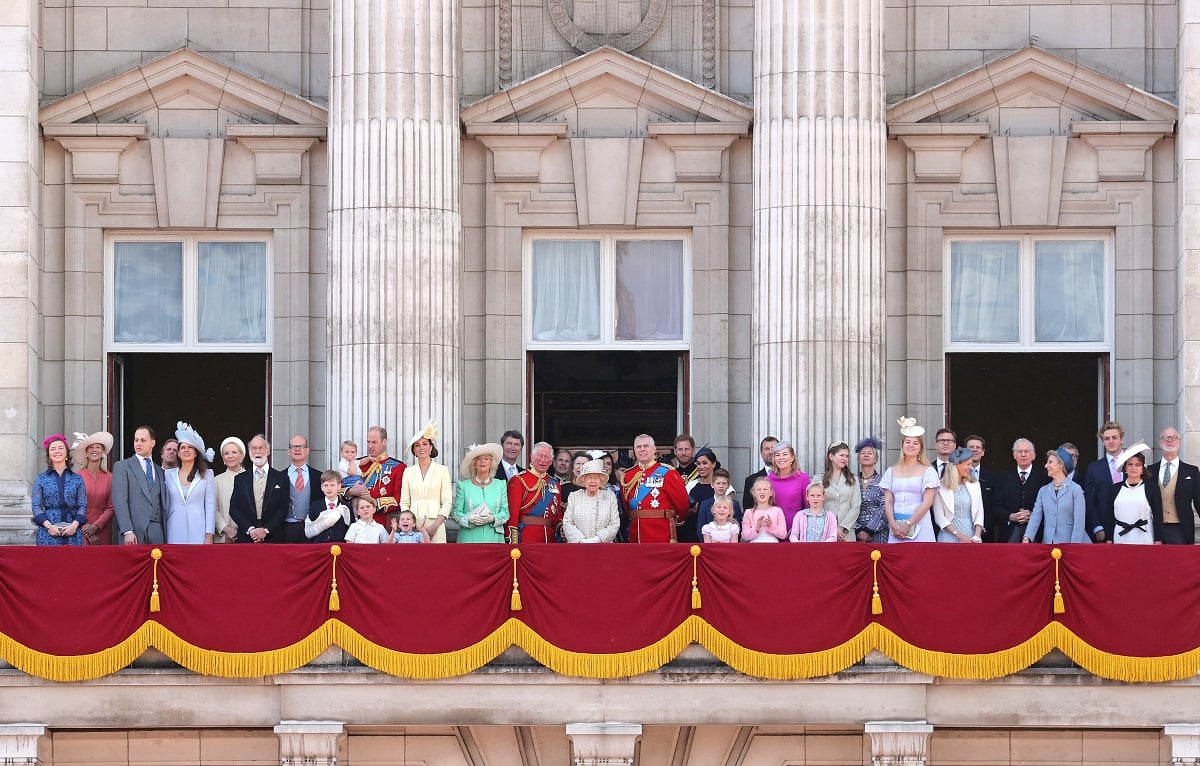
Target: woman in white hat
[[480, 499], [233, 455], [909, 487], [89, 453], [427, 490], [191, 494], [591, 515], [1132, 513]]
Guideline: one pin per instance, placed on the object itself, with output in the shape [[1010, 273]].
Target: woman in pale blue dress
[[909, 487], [958, 505], [191, 491]]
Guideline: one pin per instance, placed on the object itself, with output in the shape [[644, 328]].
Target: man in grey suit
[[137, 493]]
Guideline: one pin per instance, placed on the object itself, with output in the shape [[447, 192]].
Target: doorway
[[603, 399], [1047, 398], [220, 395]]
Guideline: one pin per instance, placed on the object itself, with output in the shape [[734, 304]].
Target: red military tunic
[[534, 507], [383, 477], [656, 500]]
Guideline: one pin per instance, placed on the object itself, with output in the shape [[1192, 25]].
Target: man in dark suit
[[139, 500], [766, 451], [945, 441], [511, 444], [1018, 491], [1076, 475], [989, 480], [1180, 483], [260, 499], [304, 490], [1101, 475]]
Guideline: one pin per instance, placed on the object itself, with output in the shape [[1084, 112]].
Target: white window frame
[[608, 290], [1026, 308], [190, 244]]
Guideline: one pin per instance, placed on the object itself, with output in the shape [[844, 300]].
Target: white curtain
[[566, 290], [985, 292], [650, 290], [231, 292], [148, 292], [1070, 292]]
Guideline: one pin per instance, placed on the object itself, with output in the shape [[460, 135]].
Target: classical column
[[309, 743], [19, 743], [899, 743], [1187, 231], [395, 220], [817, 342], [603, 744], [1185, 743]]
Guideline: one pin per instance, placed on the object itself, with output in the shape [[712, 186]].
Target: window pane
[[984, 292], [231, 292], [650, 290], [566, 290], [1069, 279], [148, 292]]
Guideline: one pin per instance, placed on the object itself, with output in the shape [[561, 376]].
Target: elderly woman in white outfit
[[427, 490], [191, 492], [591, 515]]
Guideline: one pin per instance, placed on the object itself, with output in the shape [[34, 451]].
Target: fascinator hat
[[185, 434], [83, 441], [467, 468], [871, 442], [909, 427], [430, 432]]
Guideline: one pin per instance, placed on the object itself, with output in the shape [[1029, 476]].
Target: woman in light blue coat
[[1060, 510], [191, 491]]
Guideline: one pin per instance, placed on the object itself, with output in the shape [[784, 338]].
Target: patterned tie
[[1024, 476], [299, 480], [1167, 474], [149, 471]]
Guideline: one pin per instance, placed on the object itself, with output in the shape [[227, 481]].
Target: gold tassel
[[335, 601], [695, 588], [1059, 606], [155, 605], [876, 602], [515, 602]]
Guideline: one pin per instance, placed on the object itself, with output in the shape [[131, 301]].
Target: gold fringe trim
[[423, 666], [82, 667], [210, 662], [615, 665]]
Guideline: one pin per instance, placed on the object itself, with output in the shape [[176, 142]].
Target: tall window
[[611, 290], [1028, 292], [188, 292]]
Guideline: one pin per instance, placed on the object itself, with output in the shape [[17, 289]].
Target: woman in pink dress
[[89, 454]]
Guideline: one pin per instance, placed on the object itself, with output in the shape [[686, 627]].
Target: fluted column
[[817, 352], [1187, 231], [395, 220]]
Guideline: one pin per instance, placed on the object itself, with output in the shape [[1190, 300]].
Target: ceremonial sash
[[643, 485]]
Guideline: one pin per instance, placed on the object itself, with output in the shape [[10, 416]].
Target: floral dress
[[59, 499], [871, 516]]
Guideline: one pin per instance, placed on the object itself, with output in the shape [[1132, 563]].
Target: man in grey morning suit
[[137, 493]]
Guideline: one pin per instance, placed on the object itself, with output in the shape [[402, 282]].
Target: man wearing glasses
[[1180, 484], [304, 492], [945, 441]]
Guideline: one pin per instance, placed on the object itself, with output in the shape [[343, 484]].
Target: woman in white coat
[[958, 504], [191, 491]]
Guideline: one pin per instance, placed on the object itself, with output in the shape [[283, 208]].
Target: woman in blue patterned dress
[[59, 497], [871, 526]]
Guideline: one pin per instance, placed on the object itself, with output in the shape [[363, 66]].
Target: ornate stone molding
[[1123, 146], [19, 743], [698, 147], [708, 44], [278, 149], [1185, 743], [899, 743], [603, 744], [938, 148], [504, 47], [309, 743], [517, 149], [95, 148], [584, 42]]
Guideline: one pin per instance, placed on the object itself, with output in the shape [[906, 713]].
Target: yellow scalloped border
[[614, 665]]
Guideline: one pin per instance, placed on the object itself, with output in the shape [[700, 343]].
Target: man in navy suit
[[1101, 475], [1018, 491], [989, 480], [1179, 505], [260, 499]]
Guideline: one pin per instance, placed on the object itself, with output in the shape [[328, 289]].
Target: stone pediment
[[186, 93], [606, 93], [1031, 92]]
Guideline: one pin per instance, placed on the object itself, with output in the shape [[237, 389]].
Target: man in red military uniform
[[534, 500], [382, 475], [654, 495]]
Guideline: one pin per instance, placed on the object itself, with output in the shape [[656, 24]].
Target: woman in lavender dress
[[909, 487]]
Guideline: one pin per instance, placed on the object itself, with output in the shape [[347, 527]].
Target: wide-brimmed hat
[[467, 468], [79, 447], [909, 427], [960, 455], [185, 434], [593, 467], [430, 432], [1129, 452]]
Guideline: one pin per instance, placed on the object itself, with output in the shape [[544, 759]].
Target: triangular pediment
[[606, 92], [1034, 90], [182, 93]]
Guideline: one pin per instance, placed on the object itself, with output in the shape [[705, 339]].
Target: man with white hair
[[654, 495], [535, 500], [1018, 491], [1180, 484]]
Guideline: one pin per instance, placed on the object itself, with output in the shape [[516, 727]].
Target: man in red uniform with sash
[[382, 475], [654, 496], [534, 502]]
